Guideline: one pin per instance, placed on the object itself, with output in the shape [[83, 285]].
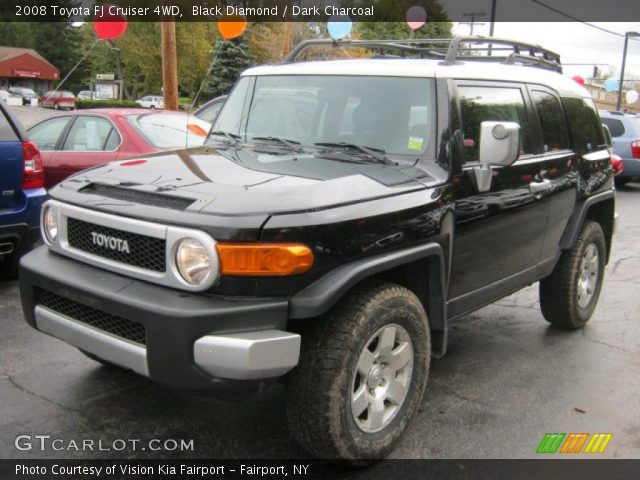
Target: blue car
[[625, 130], [21, 193]]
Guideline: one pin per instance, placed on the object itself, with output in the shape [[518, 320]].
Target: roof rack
[[450, 51]]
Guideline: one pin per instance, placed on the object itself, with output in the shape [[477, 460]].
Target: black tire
[[621, 182], [9, 265], [560, 299], [320, 388]]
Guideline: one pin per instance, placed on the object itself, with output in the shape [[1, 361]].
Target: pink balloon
[[578, 79], [416, 17]]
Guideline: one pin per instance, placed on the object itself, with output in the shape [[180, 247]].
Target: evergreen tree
[[232, 59]]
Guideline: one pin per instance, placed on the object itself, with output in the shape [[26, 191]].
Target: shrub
[[81, 104]]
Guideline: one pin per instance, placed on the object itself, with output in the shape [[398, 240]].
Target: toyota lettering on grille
[[112, 243]]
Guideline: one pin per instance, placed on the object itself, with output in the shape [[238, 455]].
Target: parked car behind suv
[[25, 93], [625, 132], [86, 138], [21, 193], [151, 101], [58, 100], [340, 215]]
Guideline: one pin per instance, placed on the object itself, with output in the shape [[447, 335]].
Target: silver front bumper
[[104, 345], [248, 355], [237, 356]]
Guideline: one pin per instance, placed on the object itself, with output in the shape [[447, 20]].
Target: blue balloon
[[339, 27], [611, 84]]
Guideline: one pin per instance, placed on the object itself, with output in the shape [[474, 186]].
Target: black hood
[[245, 181]]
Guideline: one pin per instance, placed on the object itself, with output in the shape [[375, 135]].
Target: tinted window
[[394, 114], [584, 124], [616, 127], [554, 126], [89, 134], [479, 104], [47, 133]]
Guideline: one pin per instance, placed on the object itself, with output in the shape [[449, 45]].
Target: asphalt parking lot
[[507, 380]]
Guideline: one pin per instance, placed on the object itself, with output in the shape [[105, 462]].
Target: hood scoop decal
[[138, 196]]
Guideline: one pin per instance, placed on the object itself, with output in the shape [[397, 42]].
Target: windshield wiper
[[376, 153], [291, 144], [232, 137]]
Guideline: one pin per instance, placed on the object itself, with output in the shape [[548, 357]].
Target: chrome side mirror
[[499, 143]]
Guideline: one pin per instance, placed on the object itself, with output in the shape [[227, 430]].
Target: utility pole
[[624, 62], [473, 16], [492, 18], [169, 65]]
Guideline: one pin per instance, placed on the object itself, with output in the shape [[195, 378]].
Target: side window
[[554, 126], [89, 134], [47, 133], [479, 104], [584, 124], [616, 127]]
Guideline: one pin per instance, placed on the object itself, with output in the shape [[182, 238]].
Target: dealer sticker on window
[[415, 143]]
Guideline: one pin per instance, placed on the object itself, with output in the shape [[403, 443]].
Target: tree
[[232, 58]]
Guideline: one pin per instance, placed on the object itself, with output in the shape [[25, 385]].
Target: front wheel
[[569, 295], [362, 374]]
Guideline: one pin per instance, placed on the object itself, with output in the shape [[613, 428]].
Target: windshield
[[170, 130], [391, 114]]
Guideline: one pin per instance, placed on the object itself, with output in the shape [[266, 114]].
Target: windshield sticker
[[415, 143]]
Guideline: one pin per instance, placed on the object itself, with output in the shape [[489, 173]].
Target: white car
[[151, 101]]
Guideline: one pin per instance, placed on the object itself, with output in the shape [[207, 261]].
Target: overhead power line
[[576, 19]]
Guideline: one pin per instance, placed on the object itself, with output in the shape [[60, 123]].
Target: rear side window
[[47, 133], [7, 133], [616, 127], [554, 126], [479, 104], [90, 134], [584, 124]]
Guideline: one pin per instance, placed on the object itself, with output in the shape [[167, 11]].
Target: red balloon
[[108, 24], [578, 79]]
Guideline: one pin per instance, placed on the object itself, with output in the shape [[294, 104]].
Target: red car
[[58, 100], [76, 141]]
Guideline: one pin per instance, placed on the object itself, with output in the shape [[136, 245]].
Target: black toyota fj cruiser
[[340, 214]]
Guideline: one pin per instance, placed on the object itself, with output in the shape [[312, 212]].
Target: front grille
[[118, 326], [136, 196], [144, 252]]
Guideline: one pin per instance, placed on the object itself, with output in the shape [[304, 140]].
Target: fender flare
[[576, 221], [319, 297]]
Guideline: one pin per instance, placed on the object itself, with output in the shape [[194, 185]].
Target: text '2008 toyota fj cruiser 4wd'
[[341, 213]]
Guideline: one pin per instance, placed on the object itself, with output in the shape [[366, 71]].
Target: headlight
[[49, 224], [193, 261]]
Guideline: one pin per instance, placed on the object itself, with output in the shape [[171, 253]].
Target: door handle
[[539, 187]]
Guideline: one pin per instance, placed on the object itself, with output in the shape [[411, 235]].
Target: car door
[[500, 226], [557, 178], [89, 141], [48, 136]]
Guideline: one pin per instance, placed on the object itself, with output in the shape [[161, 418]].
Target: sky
[[575, 42]]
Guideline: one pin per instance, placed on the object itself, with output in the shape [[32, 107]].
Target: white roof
[[399, 67]]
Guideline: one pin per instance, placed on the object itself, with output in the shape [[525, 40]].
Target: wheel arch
[[599, 208], [420, 269]]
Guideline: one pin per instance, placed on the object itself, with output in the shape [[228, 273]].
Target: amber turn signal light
[[264, 259]]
